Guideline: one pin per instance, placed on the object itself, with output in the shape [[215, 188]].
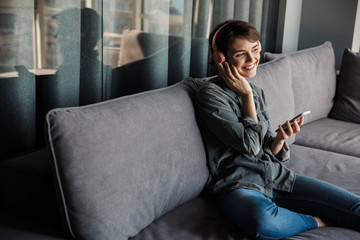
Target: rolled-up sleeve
[[215, 111], [283, 155]]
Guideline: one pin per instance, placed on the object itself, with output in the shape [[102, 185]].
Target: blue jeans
[[289, 213]]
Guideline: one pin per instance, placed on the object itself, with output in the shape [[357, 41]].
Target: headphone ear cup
[[218, 57]]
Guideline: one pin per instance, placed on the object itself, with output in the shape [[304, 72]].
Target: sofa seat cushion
[[331, 135], [16, 227], [123, 163], [339, 169], [15, 233], [328, 233], [27, 188], [199, 219]]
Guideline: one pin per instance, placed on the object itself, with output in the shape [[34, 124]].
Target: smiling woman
[[246, 158]]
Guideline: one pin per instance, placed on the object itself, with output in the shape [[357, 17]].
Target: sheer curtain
[[64, 53]]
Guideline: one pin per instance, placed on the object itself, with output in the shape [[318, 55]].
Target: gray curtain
[[262, 13], [17, 85], [63, 53]]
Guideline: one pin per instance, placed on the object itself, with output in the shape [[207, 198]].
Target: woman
[[245, 158]]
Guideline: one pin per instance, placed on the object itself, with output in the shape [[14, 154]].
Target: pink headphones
[[218, 56]]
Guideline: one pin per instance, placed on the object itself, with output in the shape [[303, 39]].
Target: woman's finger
[[296, 127], [222, 71], [289, 128], [228, 71], [236, 73], [282, 132], [301, 122]]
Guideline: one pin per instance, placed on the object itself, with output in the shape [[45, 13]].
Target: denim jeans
[[289, 213]]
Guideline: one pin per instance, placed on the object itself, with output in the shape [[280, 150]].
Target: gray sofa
[[135, 167]]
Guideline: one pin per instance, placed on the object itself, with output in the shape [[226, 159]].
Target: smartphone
[[296, 118]]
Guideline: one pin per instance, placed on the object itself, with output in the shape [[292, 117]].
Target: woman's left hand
[[282, 135], [291, 129]]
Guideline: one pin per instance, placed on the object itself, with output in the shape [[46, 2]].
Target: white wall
[[356, 38], [328, 20], [308, 23], [291, 25]]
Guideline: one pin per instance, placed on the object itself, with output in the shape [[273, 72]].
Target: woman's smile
[[249, 67], [244, 55]]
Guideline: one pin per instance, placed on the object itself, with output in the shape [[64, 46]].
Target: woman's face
[[245, 56]]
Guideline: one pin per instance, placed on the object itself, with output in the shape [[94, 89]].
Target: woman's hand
[[239, 85], [283, 135], [291, 129], [233, 79]]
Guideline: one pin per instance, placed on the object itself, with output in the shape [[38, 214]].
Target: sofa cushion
[[347, 99], [313, 79], [123, 163], [275, 79], [17, 227], [27, 189], [331, 135], [199, 219], [339, 169]]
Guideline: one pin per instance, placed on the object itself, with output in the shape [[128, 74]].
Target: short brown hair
[[231, 30]]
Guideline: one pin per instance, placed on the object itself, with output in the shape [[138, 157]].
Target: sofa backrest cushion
[[313, 79], [274, 78], [121, 164], [347, 100]]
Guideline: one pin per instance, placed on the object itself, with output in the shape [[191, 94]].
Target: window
[[63, 53]]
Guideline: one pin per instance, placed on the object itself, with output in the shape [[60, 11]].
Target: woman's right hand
[[239, 85], [233, 79]]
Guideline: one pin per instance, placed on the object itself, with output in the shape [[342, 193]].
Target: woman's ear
[[259, 45], [218, 57]]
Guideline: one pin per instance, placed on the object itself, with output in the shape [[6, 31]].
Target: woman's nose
[[249, 57]]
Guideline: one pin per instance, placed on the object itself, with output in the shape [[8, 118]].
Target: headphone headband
[[213, 43]]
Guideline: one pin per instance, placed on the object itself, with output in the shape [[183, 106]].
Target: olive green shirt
[[238, 148]]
